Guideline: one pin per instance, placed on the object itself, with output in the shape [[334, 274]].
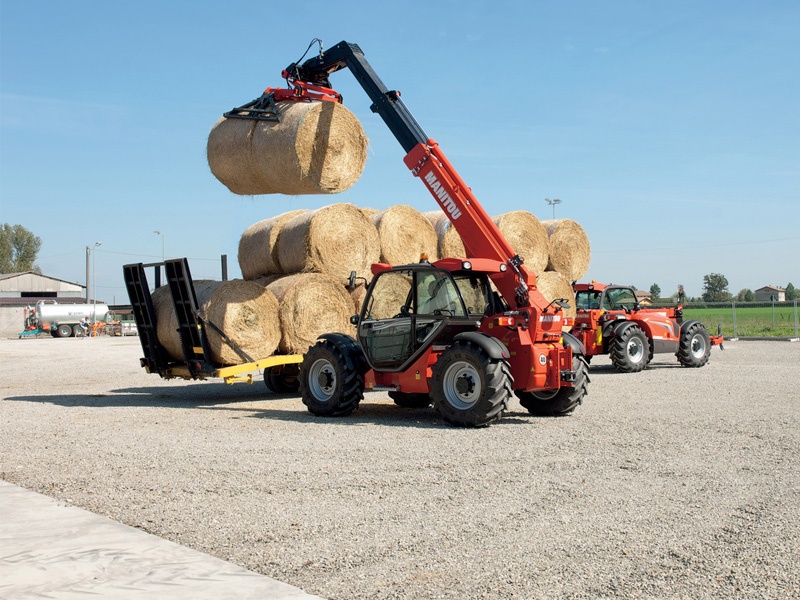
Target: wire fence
[[747, 319]]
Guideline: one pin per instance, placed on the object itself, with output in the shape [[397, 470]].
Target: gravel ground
[[670, 483]]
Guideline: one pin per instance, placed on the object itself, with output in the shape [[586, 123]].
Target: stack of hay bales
[[315, 148], [244, 310], [569, 248], [527, 236], [449, 242], [405, 234]]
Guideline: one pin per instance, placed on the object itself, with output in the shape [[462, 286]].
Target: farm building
[[770, 293], [18, 290]]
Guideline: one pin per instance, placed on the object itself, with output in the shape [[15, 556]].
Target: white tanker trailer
[[61, 320]]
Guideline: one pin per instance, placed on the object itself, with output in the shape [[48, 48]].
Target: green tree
[[715, 288], [18, 249], [745, 295], [655, 292], [791, 292]]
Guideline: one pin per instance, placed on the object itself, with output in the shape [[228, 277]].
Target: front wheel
[[468, 387], [329, 384], [564, 400], [694, 348], [630, 350]]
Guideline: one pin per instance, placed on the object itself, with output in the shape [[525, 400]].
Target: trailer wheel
[[470, 389], [64, 331], [629, 351], [560, 402], [328, 386], [77, 331], [694, 348], [410, 400], [282, 379]]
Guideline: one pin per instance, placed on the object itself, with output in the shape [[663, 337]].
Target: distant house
[[770, 293], [643, 297], [18, 290]]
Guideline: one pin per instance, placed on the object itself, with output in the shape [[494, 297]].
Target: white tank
[[70, 313]]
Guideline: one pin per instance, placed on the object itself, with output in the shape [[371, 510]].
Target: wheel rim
[[322, 380], [462, 385], [635, 349], [698, 348]]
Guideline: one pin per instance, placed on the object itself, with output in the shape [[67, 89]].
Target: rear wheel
[[564, 400], [694, 348], [329, 386], [410, 400], [630, 350], [282, 379], [468, 387]]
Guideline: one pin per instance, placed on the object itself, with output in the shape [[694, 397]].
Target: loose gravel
[[670, 483]]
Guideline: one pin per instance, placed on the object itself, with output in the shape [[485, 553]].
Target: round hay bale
[[527, 236], [405, 234], [315, 148], [334, 239], [569, 248], [258, 246], [248, 314], [357, 294], [552, 285], [449, 242], [310, 304], [369, 212], [167, 320]]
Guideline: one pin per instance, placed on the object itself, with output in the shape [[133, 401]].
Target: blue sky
[[669, 130]]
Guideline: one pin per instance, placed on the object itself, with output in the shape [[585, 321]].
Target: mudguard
[[574, 343], [492, 346], [353, 353]]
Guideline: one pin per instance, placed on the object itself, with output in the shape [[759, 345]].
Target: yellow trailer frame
[[242, 373]]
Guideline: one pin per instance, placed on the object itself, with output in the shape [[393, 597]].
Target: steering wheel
[[404, 312]]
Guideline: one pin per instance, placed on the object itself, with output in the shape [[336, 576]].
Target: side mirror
[[354, 320]]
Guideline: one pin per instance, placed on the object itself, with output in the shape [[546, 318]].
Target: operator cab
[[609, 298], [409, 308]]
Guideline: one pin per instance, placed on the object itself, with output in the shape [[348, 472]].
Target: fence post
[[795, 317], [733, 307]]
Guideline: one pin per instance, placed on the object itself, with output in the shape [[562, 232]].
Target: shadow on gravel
[[611, 369], [204, 396]]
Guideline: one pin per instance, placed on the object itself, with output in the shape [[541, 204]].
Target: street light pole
[[94, 283], [553, 204], [157, 232]]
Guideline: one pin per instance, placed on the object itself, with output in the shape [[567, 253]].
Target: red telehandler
[[611, 321], [468, 332]]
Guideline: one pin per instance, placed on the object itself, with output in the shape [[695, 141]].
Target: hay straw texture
[[569, 248], [554, 285], [449, 242], [258, 246], [167, 321], [527, 236], [244, 310], [389, 295], [248, 314], [310, 304], [405, 234], [334, 239], [316, 148]]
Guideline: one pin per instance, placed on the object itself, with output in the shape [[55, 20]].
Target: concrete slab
[[51, 550]]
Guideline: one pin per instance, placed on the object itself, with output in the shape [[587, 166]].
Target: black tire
[[410, 400], [468, 387], [282, 379], [329, 387], [630, 350], [694, 348], [560, 402], [64, 331]]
